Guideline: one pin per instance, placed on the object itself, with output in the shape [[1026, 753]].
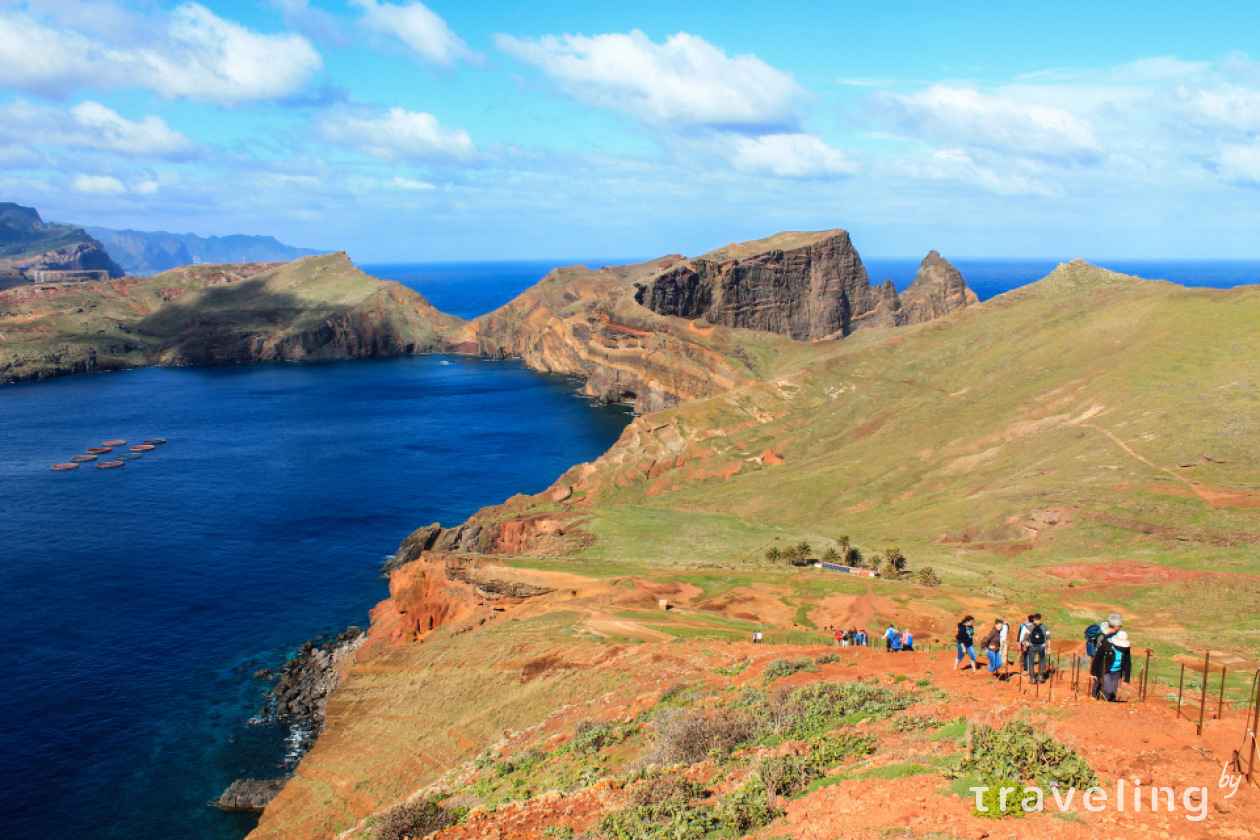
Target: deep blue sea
[[136, 604]]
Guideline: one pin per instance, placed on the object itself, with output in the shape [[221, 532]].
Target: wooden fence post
[[1207, 658]]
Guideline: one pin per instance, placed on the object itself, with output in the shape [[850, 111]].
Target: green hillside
[[1049, 439]]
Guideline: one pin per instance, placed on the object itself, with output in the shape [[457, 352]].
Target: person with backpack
[[1038, 639], [1025, 627], [966, 642], [907, 641], [1112, 662], [1107, 630], [889, 635], [1003, 639], [992, 642], [1092, 634]]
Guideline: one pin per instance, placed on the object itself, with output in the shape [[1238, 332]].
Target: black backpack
[[1092, 632], [1037, 636]]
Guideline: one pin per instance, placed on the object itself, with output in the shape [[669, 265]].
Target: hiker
[[1003, 639], [896, 641], [855, 638], [1038, 639], [889, 634], [1092, 634], [1104, 663], [907, 641], [992, 642], [840, 639], [756, 637], [966, 642], [1025, 627], [863, 640]]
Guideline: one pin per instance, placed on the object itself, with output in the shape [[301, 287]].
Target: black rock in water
[[249, 794]]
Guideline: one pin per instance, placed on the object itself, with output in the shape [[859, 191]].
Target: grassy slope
[[1074, 401], [185, 312]]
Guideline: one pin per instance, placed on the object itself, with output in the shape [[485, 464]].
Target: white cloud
[[1240, 164], [955, 116], [399, 135], [197, 55], [409, 184], [1218, 107], [790, 156], [416, 26], [90, 125], [98, 185], [683, 83]]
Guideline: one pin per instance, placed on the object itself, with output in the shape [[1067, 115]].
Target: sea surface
[[137, 604]]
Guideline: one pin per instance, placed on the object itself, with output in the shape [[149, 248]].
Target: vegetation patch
[[779, 668], [416, 819], [1019, 751]]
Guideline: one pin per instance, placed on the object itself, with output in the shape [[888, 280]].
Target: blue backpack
[[1092, 632]]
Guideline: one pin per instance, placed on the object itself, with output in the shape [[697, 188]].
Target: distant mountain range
[[151, 252]]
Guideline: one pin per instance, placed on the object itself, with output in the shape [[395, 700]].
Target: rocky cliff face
[[662, 332], [803, 286], [585, 323], [938, 289], [28, 245], [813, 290]]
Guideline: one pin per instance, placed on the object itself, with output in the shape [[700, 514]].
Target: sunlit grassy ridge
[[1089, 418]]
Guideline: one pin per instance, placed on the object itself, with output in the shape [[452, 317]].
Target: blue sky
[[445, 131]]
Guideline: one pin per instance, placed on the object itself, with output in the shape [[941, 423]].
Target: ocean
[[137, 604]]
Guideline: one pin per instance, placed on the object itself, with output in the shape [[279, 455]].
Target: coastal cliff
[[664, 332], [32, 251], [804, 286], [986, 446], [314, 308]]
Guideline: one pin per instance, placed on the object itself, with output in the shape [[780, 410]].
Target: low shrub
[[662, 808], [686, 738], [1018, 751], [810, 710], [414, 819], [990, 803], [786, 667], [915, 723], [746, 809], [787, 775]]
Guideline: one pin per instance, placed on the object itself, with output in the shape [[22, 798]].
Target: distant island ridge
[[152, 252]]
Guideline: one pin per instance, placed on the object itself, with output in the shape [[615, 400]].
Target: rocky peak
[[805, 286], [938, 289]]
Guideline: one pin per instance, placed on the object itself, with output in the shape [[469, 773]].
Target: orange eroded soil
[[1142, 743]]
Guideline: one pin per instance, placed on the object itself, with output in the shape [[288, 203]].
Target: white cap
[[1120, 639]]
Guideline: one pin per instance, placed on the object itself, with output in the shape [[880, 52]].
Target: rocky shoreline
[[297, 701]]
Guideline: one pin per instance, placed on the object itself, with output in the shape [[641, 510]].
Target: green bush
[[786, 667], [746, 809], [787, 775], [662, 808], [810, 710], [915, 723], [1020, 752], [990, 802]]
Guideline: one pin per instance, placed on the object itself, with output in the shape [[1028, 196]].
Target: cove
[[137, 603]]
